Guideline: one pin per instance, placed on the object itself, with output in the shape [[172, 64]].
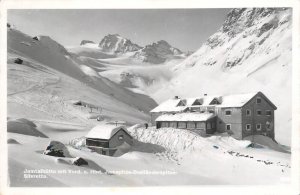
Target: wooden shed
[[106, 138]]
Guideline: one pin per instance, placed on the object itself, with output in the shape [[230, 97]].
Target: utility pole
[[252, 116]]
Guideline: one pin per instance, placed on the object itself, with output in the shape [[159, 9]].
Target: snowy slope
[[170, 157], [50, 79], [251, 52]]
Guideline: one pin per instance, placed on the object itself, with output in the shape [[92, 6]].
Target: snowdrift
[[24, 126], [267, 142], [185, 141]]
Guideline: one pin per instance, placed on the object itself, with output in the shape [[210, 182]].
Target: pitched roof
[[236, 100], [169, 106], [104, 131], [185, 117]]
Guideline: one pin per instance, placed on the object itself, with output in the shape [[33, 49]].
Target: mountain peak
[[83, 42], [163, 42], [158, 52], [116, 44]]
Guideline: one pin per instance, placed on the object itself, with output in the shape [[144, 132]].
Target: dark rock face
[[35, 38], [79, 161], [158, 52], [18, 61], [248, 22], [238, 20], [58, 149], [83, 42]]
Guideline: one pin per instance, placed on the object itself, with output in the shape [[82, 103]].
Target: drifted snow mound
[[89, 71], [122, 149], [184, 141], [25, 127], [78, 143], [56, 148], [12, 141], [267, 142]]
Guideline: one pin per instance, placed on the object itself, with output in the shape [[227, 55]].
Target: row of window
[[248, 112], [248, 127], [259, 112], [188, 125]]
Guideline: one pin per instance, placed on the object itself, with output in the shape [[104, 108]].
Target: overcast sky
[[185, 29]]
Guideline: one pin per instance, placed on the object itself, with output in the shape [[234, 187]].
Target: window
[[208, 125], [164, 124], [228, 127], [173, 124], [200, 125], [268, 125], [214, 102], [258, 112], [97, 143], [248, 127], [258, 100], [121, 137], [181, 125], [197, 102], [227, 112], [211, 111], [182, 103], [258, 127], [268, 112], [213, 125], [191, 125], [248, 112]]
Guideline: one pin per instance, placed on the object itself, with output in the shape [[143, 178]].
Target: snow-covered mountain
[[158, 53], [48, 72], [252, 51], [114, 43]]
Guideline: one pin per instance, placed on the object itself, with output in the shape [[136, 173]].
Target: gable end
[[264, 97]]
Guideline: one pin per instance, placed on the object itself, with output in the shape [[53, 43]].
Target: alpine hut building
[[240, 115], [106, 138]]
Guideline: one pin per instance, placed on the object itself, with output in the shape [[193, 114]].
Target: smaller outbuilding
[[107, 138]]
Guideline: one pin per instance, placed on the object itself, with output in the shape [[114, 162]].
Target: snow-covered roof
[[169, 106], [185, 117], [237, 100], [104, 131]]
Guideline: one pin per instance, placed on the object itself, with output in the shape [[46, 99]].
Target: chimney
[[176, 97], [205, 94]]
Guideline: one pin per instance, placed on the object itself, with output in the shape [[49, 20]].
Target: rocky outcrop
[[244, 33], [158, 52], [79, 161], [83, 42], [114, 43], [58, 149]]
